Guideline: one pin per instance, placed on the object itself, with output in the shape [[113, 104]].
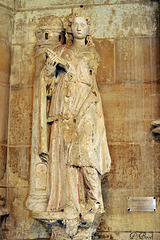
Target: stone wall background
[[127, 39], [6, 16]]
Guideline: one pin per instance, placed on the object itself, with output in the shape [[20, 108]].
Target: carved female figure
[[76, 148]]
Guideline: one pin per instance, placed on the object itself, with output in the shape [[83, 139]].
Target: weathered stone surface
[[20, 116], [125, 235], [28, 65], [142, 60], [114, 21], [2, 196], [120, 21], [155, 49], [148, 162], [116, 206], [156, 164], [18, 166], [156, 236], [15, 77], [26, 23], [22, 4], [137, 165], [22, 69], [7, 3], [105, 49], [134, 60], [5, 62], [121, 1], [4, 106], [129, 110], [125, 60], [5, 34], [20, 225], [126, 166], [5, 24], [3, 160]]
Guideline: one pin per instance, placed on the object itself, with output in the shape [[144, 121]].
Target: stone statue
[[76, 150], [72, 133]]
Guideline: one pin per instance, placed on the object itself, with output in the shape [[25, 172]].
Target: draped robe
[[77, 138]]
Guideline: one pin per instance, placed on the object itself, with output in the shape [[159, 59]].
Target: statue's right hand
[[44, 157], [51, 62], [50, 68], [51, 65], [51, 58]]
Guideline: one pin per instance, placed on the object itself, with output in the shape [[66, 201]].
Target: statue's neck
[[79, 42]]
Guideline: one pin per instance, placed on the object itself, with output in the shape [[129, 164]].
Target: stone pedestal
[[62, 225]]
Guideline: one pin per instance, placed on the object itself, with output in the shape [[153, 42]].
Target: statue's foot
[[71, 227]]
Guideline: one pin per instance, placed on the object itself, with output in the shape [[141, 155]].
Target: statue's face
[[79, 28]]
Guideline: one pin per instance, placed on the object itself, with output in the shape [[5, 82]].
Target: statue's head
[[79, 26]]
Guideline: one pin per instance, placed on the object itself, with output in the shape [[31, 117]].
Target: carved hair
[[88, 40]]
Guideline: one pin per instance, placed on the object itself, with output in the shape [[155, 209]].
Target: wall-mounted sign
[[142, 204]]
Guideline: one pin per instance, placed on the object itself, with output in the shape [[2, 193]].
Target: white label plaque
[[142, 204]]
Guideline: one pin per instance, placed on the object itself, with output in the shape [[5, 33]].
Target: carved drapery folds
[[69, 146]]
